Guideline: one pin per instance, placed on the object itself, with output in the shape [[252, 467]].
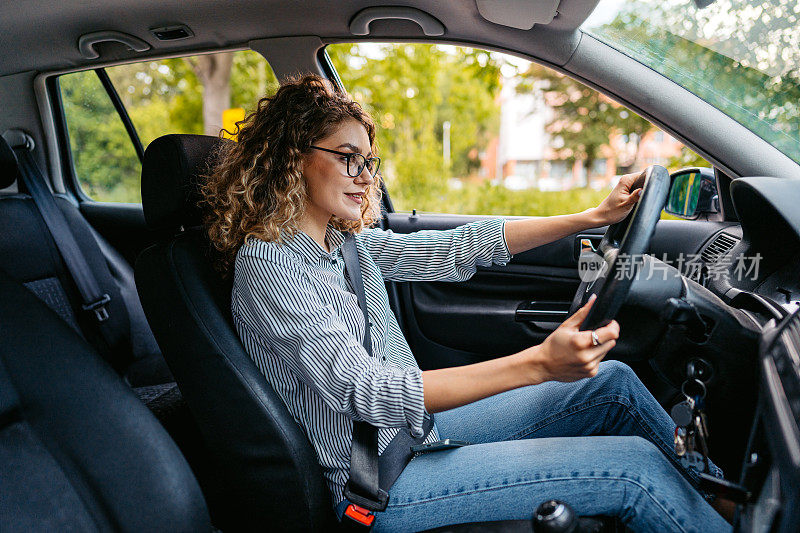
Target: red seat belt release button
[[360, 515]]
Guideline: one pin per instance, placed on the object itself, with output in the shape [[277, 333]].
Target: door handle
[[542, 311], [586, 242]]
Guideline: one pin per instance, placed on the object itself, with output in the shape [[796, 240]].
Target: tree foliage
[[160, 97], [411, 90], [741, 57], [583, 119], [102, 153]]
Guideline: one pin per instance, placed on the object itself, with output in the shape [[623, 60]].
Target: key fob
[[683, 413]]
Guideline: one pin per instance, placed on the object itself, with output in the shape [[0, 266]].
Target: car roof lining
[[45, 35]]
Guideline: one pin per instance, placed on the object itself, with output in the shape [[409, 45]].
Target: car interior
[[127, 401]]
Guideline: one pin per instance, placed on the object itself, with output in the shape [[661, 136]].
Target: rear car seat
[[78, 451], [30, 257]]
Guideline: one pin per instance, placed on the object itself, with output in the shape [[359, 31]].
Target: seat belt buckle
[[99, 308], [365, 501], [358, 518]]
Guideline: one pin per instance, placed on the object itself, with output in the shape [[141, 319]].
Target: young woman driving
[[551, 421]]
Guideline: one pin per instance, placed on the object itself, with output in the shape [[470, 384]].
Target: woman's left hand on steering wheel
[[619, 201]]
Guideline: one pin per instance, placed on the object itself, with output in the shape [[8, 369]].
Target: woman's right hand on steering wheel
[[568, 354]]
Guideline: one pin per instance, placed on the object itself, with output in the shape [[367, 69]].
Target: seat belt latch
[[359, 517], [99, 308], [377, 502]]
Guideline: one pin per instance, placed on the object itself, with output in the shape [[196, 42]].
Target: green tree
[[740, 56], [411, 90], [251, 79], [105, 161], [161, 97], [214, 73], [687, 158], [583, 119]]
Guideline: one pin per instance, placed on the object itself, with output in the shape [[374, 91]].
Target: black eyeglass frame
[[354, 155]]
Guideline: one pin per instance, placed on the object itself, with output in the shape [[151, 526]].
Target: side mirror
[[693, 192]]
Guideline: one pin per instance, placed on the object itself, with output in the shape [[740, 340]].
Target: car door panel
[[122, 225], [481, 314], [450, 324]]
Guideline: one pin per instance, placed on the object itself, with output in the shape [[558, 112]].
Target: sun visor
[[520, 14]]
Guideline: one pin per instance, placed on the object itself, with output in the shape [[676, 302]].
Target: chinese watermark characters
[[592, 266]]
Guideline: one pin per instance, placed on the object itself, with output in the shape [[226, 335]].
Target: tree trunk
[[214, 73]]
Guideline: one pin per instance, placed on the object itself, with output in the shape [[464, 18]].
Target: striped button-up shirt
[[298, 318]]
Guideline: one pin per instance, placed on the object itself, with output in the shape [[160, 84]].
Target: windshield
[[741, 57]]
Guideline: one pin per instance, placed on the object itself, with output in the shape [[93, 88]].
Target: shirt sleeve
[[308, 335], [436, 255]]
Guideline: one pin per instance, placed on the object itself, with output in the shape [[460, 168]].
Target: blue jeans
[[526, 450]]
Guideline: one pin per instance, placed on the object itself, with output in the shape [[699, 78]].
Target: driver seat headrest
[[172, 172]]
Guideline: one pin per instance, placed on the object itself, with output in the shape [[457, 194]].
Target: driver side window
[[467, 131]]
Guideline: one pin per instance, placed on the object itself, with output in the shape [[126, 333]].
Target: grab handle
[[87, 42], [361, 21]]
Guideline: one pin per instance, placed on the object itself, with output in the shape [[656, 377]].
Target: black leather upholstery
[[77, 448], [269, 470]]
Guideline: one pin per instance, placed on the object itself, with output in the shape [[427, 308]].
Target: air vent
[[719, 247]]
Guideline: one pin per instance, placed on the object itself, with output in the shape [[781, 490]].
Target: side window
[[198, 94], [104, 159], [466, 131]]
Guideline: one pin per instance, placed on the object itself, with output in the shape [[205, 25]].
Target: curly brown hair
[[256, 186]]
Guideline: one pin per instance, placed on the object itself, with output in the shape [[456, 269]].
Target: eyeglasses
[[356, 162]]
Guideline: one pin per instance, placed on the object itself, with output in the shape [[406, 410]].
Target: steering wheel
[[619, 254]]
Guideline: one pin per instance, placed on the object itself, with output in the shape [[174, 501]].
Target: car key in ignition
[[691, 430]]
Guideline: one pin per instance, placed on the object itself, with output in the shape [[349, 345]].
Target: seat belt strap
[[93, 298], [371, 477]]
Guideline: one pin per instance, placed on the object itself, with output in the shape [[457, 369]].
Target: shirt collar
[[307, 248]]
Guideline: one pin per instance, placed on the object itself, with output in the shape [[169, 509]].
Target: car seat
[[264, 460], [29, 255], [78, 450]]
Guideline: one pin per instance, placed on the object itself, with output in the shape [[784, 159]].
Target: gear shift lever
[[554, 516]]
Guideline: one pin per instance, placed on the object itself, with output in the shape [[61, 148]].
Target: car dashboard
[[753, 265], [770, 225]]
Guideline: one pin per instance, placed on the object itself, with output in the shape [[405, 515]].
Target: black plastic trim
[[724, 194], [121, 111], [68, 174], [328, 69]]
